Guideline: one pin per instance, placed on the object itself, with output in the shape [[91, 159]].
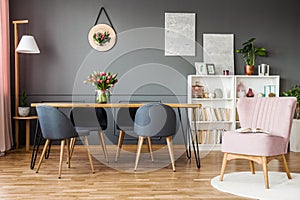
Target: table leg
[[185, 136], [197, 153], [195, 146], [27, 134], [36, 144], [17, 133]]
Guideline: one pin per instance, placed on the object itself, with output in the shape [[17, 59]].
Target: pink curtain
[[5, 109]]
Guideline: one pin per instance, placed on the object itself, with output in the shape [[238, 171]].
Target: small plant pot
[[23, 111], [249, 70]]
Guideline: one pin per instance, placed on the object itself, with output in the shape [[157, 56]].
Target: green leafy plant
[[294, 92], [249, 52], [24, 102]]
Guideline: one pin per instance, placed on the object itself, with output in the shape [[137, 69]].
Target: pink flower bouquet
[[103, 82]]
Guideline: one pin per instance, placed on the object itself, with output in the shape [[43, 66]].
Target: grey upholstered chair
[[124, 123], [89, 119], [55, 125], [155, 119]]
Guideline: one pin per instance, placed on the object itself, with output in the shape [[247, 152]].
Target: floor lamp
[[26, 45]]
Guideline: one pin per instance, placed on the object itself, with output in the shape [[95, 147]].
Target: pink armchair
[[271, 114]]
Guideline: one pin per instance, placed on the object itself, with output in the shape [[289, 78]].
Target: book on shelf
[[209, 137], [214, 114], [227, 114], [219, 113], [251, 130], [204, 114]]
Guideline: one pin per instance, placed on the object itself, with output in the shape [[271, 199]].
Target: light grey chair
[[155, 119], [89, 119], [55, 125], [125, 124]]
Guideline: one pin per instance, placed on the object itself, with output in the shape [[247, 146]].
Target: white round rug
[[252, 185]]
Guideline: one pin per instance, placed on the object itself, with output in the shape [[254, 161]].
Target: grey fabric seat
[[155, 119], [55, 125], [89, 119]]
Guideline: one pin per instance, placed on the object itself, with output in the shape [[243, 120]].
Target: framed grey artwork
[[180, 34], [219, 50]]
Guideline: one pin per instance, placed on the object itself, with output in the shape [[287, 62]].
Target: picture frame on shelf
[[210, 68], [270, 90], [200, 68]]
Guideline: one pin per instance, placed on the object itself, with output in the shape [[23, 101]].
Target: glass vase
[[101, 96]]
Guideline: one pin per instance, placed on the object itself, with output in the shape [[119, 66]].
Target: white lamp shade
[[27, 44]]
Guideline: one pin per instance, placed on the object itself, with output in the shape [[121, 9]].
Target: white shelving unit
[[220, 113], [258, 83], [211, 83]]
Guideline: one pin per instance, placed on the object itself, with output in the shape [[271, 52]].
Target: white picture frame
[[219, 49], [200, 68], [180, 34], [210, 69]]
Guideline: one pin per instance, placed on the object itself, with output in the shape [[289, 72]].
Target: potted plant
[[23, 108], [294, 92], [295, 138], [249, 52]]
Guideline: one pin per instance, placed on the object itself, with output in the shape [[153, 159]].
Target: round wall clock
[[102, 37]]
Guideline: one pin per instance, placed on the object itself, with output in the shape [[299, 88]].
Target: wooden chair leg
[[120, 143], [265, 169], [140, 144], [86, 143], [72, 144], [252, 166], [171, 151], [68, 153], [223, 166], [43, 155], [62, 145], [287, 171], [150, 148], [101, 138]]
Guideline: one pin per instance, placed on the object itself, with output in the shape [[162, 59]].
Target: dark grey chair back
[[125, 119], [55, 125], [155, 119], [91, 118]]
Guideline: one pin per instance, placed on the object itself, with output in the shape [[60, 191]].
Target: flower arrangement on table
[[103, 82], [101, 38]]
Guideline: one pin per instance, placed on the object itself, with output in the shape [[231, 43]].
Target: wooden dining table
[[190, 135]]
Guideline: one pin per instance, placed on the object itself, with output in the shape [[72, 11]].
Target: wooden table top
[[28, 117], [111, 105]]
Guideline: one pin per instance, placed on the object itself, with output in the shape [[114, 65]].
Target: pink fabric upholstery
[[272, 114], [256, 144]]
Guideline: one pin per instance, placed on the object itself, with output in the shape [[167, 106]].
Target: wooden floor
[[18, 181]]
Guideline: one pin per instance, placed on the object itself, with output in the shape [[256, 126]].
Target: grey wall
[[61, 27]]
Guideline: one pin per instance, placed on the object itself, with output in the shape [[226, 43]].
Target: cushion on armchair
[[256, 144]]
